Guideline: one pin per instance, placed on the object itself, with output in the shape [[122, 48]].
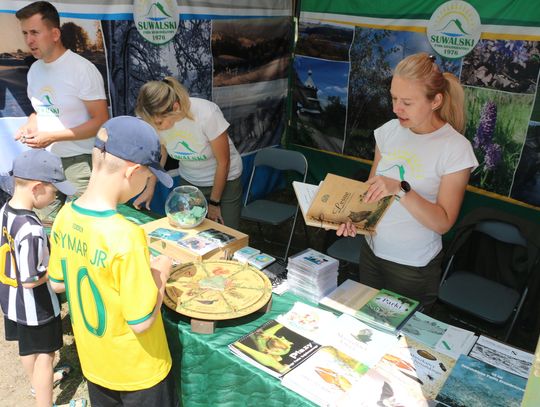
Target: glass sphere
[[186, 207]]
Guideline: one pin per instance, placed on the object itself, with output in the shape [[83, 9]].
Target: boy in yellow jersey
[[102, 261]]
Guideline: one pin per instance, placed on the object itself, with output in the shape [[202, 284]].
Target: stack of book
[[312, 275], [254, 257]]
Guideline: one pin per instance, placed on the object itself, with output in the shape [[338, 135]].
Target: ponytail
[[452, 110], [422, 67], [157, 98]]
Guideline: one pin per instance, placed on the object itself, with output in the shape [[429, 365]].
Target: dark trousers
[[419, 283]]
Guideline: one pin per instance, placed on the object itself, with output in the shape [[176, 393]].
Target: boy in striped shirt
[[30, 306]]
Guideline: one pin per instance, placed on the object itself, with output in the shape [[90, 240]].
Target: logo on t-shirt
[[47, 107], [182, 151]]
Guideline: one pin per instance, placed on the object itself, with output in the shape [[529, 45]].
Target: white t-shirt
[[57, 91], [421, 160], [188, 141]]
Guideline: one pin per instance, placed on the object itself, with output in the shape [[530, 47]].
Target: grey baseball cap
[[132, 139], [42, 165]]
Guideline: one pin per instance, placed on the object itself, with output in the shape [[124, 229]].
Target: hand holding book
[[339, 200]]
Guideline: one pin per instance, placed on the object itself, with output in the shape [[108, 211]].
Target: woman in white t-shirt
[[194, 132], [422, 159]]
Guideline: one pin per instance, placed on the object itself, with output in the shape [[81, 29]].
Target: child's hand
[[161, 269]]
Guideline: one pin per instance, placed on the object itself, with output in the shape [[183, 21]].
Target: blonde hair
[[422, 67], [157, 98]]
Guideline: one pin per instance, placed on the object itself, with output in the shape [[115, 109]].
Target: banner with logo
[[346, 53], [235, 53]]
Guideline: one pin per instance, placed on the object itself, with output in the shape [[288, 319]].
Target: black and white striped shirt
[[24, 257]]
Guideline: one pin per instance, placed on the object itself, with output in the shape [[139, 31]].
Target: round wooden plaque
[[216, 290]]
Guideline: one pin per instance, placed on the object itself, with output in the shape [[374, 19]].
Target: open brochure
[[345, 333], [410, 374], [337, 200], [442, 337], [327, 378]]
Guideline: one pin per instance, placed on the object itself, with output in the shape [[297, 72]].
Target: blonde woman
[[422, 159], [194, 132]]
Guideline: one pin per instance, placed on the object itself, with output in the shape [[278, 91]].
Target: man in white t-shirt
[[67, 94]]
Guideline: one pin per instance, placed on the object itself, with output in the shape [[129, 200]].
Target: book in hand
[[327, 378], [198, 244], [476, 383], [274, 348], [387, 310], [217, 236], [503, 356], [410, 374], [348, 297], [337, 200], [442, 337]]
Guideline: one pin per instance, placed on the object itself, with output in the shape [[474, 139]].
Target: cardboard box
[[171, 249]]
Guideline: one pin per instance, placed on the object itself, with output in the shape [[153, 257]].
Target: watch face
[[405, 186]]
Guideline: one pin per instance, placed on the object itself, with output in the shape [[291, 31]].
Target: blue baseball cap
[[42, 165], [132, 139]]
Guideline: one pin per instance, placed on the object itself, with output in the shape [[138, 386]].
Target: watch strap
[[213, 203]]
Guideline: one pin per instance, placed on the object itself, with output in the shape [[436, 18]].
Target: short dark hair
[[48, 12]]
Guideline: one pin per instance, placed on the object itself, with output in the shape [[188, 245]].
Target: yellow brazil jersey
[[104, 263]]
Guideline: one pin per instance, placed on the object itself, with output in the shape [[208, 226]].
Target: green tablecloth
[[208, 374]]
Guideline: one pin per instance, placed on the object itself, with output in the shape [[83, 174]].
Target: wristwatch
[[404, 188], [213, 203]]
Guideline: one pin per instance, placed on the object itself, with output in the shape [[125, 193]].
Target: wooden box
[[183, 254]]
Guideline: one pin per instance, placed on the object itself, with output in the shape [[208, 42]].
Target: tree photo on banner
[[251, 62], [321, 71], [82, 36], [499, 74], [236, 54]]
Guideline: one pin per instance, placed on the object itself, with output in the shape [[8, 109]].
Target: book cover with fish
[[327, 377], [475, 383]]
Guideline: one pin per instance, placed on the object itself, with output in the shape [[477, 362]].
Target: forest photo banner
[[235, 53]]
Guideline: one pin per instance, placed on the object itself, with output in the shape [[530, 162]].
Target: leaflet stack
[[312, 275]]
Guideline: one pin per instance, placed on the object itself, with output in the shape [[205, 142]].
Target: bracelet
[[213, 203]]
